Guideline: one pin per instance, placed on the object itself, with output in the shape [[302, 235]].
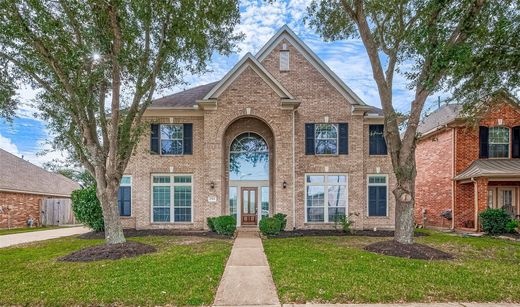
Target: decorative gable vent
[[284, 58]]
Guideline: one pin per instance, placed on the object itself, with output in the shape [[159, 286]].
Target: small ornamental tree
[[470, 46], [97, 65]]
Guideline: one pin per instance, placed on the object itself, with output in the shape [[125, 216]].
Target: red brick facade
[[443, 155], [16, 208]]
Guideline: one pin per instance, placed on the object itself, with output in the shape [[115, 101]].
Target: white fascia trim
[[287, 33], [248, 61]]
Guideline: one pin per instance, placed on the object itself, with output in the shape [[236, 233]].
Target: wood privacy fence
[[57, 211]]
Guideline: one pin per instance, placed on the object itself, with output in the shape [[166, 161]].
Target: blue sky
[[259, 21]]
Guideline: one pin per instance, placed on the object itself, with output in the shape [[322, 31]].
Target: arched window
[[249, 158]]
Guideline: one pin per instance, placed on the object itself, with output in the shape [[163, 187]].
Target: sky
[[27, 135]]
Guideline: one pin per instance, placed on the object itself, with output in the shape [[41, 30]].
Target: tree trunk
[[405, 199], [113, 228]]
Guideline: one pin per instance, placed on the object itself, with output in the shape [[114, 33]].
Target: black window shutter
[[188, 139], [343, 138], [154, 139], [484, 142], [516, 142], [309, 139]]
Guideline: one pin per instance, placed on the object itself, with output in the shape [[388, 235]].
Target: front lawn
[[26, 229], [338, 270], [184, 271]]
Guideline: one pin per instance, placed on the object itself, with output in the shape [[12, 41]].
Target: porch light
[[212, 185], [284, 184]]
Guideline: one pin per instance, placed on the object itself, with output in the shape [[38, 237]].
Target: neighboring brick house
[[23, 186], [280, 133], [467, 164]]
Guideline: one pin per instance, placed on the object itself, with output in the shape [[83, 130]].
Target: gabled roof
[[183, 100], [492, 168], [19, 175], [286, 33], [439, 118], [248, 61]]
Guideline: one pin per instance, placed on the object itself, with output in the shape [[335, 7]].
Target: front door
[[249, 205]]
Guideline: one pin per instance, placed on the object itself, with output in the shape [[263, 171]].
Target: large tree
[[97, 65], [470, 46]]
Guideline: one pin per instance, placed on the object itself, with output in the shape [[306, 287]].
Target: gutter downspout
[[476, 201], [293, 171], [454, 183]]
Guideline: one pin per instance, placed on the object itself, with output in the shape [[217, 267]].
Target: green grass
[[338, 270], [26, 229], [184, 271]]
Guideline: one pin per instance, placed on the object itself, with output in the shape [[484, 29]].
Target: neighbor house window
[[124, 196], [377, 195], [326, 197], [376, 140], [326, 136], [172, 138], [498, 142], [172, 198]]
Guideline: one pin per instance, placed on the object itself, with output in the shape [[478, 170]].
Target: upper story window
[[171, 139], [498, 142], [249, 158], [326, 136], [376, 140], [326, 139]]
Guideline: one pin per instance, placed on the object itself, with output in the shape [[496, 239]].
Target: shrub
[[270, 226], [344, 222], [494, 221], [211, 225], [283, 220], [87, 209], [225, 225], [512, 226]]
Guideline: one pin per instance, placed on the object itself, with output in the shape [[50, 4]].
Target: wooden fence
[[57, 211]]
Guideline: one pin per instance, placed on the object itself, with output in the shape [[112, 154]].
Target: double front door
[[249, 201]]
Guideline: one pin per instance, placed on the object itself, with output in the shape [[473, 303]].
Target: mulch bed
[[132, 233], [332, 232], [109, 252], [411, 251]]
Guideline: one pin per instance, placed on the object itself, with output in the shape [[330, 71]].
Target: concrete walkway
[[40, 235], [247, 279]]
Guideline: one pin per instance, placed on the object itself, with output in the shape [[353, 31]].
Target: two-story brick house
[[280, 132], [468, 163]]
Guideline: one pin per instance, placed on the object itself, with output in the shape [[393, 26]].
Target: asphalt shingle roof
[[491, 168], [17, 174], [440, 117], [184, 99]]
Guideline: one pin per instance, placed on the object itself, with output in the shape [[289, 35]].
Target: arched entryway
[[249, 170]]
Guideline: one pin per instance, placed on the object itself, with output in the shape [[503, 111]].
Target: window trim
[[368, 195], [509, 142], [316, 139], [171, 184], [326, 185], [121, 184], [161, 139]]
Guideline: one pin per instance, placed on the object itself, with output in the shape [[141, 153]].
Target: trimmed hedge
[[87, 208], [495, 221], [270, 226], [283, 220], [224, 225]]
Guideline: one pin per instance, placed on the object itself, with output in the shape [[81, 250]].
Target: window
[[172, 138], [124, 196], [233, 195], [498, 142], [172, 198], [326, 139], [377, 195], [326, 197], [265, 201], [249, 158], [376, 139]]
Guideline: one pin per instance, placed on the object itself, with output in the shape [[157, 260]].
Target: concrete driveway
[[34, 236]]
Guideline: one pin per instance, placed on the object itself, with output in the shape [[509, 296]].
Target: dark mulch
[[332, 232], [132, 233], [109, 252], [411, 251]]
